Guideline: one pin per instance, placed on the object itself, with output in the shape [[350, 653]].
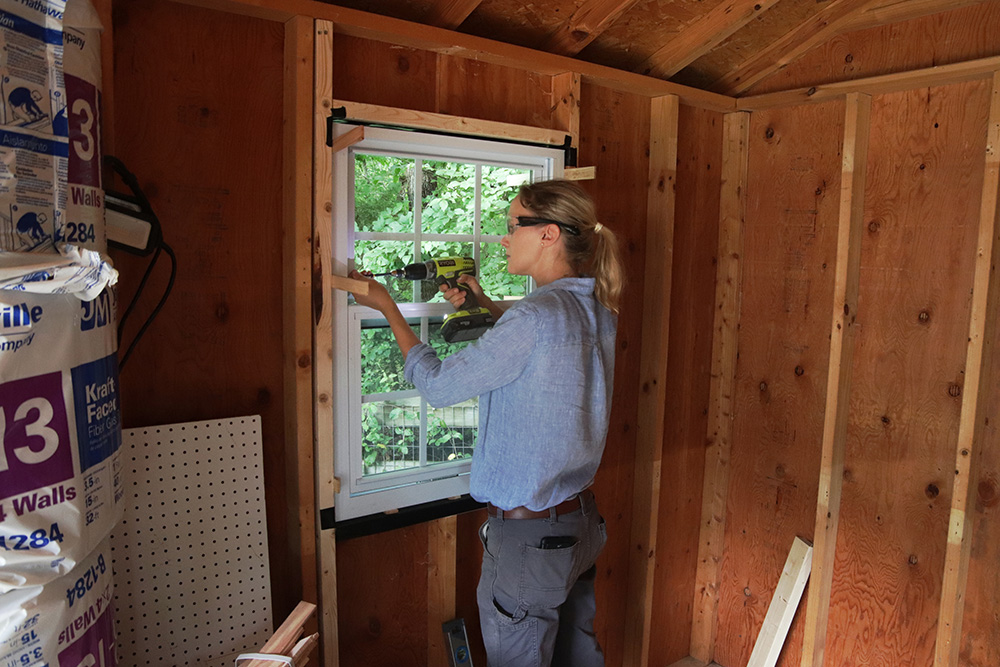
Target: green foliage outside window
[[385, 202]]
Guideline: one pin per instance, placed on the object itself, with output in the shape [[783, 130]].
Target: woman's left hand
[[378, 296]]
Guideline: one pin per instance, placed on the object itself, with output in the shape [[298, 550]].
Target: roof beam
[[450, 13], [897, 11], [591, 19], [702, 35], [815, 30]]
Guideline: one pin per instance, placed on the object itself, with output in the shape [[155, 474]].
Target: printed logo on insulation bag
[[34, 432], [98, 419], [16, 322]]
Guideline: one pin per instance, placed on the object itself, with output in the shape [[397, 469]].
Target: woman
[[543, 375]]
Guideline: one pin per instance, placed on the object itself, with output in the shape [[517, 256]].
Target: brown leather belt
[[564, 507]]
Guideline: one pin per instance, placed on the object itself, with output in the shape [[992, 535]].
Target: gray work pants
[[536, 606]]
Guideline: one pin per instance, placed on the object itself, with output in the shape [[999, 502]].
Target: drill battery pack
[[466, 325]]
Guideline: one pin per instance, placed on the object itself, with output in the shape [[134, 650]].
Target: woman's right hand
[[457, 296]]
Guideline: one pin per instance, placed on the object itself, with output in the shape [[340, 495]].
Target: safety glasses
[[530, 221]]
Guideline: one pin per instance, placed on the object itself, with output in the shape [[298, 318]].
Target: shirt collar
[[578, 285]]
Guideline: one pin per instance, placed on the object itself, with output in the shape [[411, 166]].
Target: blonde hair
[[594, 252]]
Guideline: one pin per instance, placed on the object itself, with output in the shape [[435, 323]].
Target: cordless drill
[[472, 320]]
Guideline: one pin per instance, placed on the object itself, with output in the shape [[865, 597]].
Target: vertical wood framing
[[652, 381], [297, 271], [720, 426], [845, 303], [566, 104], [322, 294], [984, 302], [441, 581]]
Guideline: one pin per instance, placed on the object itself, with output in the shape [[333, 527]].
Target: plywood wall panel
[[788, 259], [614, 136], [199, 99], [925, 171], [382, 598], [492, 92], [384, 74], [696, 230], [939, 39]]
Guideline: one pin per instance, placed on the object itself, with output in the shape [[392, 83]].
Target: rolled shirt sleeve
[[497, 358]]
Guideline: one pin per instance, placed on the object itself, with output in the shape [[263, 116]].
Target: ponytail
[[594, 252]]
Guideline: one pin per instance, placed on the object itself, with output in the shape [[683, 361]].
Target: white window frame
[[360, 496]]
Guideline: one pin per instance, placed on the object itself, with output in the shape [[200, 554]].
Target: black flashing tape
[[327, 518], [408, 516]]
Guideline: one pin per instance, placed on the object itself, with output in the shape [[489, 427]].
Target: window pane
[[493, 276], [382, 256], [449, 198], [451, 432], [391, 435], [383, 193], [382, 366], [500, 186]]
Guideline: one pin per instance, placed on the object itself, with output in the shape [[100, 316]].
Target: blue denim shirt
[[543, 375]]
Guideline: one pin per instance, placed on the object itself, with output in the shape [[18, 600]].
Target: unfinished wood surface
[[784, 603], [456, 124], [322, 319], [894, 11], [815, 30], [980, 642], [692, 306], [614, 136], [107, 101], [347, 140], [652, 377], [297, 300], [380, 73], [690, 662], [403, 33], [285, 637], [846, 269], [348, 285], [960, 35], [704, 34], [215, 349], [493, 92], [922, 204], [565, 105], [441, 545], [468, 565], [789, 251], [588, 21], [450, 13], [725, 328], [580, 173], [982, 69], [976, 387], [382, 598]]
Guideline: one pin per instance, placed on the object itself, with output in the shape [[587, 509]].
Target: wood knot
[[873, 226], [987, 492], [954, 390], [932, 491], [263, 396], [304, 360]]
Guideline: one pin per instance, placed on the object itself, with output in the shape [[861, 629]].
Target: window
[[403, 197]]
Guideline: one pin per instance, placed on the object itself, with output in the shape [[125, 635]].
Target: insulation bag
[[68, 622], [60, 421]]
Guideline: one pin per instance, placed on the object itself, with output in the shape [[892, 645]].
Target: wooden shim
[[297, 283], [784, 603], [703, 35], [846, 279], [438, 40], [426, 120], [566, 104], [349, 285], [300, 652], [815, 30], [887, 83], [580, 173], [346, 141], [450, 13], [322, 295], [653, 374], [441, 546], [720, 425], [283, 640], [984, 301]]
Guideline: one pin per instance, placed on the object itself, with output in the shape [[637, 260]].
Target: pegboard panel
[[192, 579]]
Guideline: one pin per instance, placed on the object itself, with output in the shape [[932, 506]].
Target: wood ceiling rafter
[[450, 13], [818, 28], [703, 35], [591, 19]]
